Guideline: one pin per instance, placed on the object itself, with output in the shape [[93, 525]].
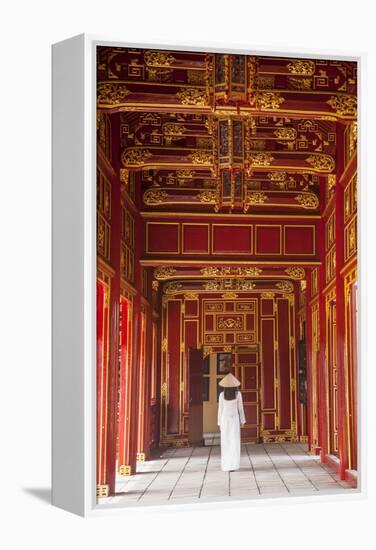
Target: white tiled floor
[[194, 473]]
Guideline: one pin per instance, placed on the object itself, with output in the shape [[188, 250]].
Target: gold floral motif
[[159, 75], [207, 196], [269, 100], [201, 157], [172, 288], [285, 133], [230, 323], [308, 200], [229, 271], [112, 93], [163, 272], [285, 286], [154, 197], [210, 271], [246, 285], [155, 285], [134, 157], [295, 272], [343, 104], [192, 96], [300, 83], [267, 295], [191, 295], [124, 175], [158, 58], [301, 67], [331, 182], [353, 138], [174, 129], [229, 296], [256, 197], [212, 285], [261, 159], [185, 174], [277, 176], [323, 163]]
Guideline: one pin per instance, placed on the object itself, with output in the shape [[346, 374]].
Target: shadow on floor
[[40, 493]]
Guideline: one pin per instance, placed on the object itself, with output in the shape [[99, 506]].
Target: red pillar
[[321, 363], [113, 365], [340, 307], [309, 359]]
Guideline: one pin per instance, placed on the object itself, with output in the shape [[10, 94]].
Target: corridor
[[190, 474]]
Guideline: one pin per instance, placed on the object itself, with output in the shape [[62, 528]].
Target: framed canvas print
[[205, 230]]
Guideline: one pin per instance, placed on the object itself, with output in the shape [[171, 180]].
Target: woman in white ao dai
[[230, 417]]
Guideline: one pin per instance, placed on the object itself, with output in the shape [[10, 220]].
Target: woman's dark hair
[[230, 393]]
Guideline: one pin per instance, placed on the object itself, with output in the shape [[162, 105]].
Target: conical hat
[[229, 381]]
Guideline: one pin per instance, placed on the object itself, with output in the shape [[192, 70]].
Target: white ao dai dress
[[230, 416]]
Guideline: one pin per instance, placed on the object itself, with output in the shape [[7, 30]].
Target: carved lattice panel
[[230, 322]]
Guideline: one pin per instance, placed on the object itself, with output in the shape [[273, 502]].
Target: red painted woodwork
[[283, 239], [102, 380], [268, 364], [163, 237], [195, 363], [232, 239], [125, 395], [300, 241], [195, 239], [268, 240], [284, 365], [174, 365]]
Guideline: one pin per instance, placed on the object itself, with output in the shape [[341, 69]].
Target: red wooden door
[[195, 363], [246, 363]]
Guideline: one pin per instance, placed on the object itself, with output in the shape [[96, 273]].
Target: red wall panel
[[174, 355], [267, 363], [300, 241], [232, 239], [195, 239], [163, 238], [284, 364], [268, 240]]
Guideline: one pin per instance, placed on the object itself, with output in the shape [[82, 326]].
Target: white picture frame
[[74, 268]]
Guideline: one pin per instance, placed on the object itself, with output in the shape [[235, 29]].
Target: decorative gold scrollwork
[[201, 157], [277, 176], [285, 133], [164, 272], [308, 200], [343, 104], [295, 272], [261, 159], [154, 197], [172, 288], [192, 96], [207, 196], [134, 157], [112, 93], [301, 67], [269, 100], [285, 286], [322, 163], [158, 58]]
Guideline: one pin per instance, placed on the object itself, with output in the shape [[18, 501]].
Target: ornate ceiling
[[217, 133]]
